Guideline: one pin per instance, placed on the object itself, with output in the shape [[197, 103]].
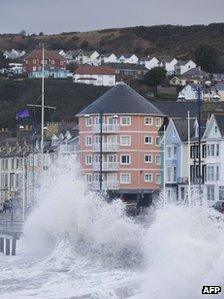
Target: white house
[[95, 75], [14, 54], [214, 138], [169, 65], [131, 58], [183, 66], [188, 93], [107, 58], [151, 62], [83, 57]]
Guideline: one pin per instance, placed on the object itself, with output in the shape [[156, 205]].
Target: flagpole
[[164, 164], [189, 153], [42, 111]]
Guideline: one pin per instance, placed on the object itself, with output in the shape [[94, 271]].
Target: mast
[[189, 153], [42, 110]]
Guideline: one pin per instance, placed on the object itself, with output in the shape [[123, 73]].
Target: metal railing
[[107, 166], [7, 227], [107, 128], [106, 185], [106, 147]]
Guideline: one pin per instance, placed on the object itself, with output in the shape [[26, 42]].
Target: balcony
[[182, 180], [106, 185], [107, 128], [107, 166], [107, 147]]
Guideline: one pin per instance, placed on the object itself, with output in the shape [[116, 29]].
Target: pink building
[[131, 158]]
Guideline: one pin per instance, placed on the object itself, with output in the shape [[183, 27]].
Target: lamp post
[[199, 102], [101, 150]]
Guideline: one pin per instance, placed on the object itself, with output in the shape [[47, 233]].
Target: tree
[[154, 77], [4, 63], [84, 44], [23, 32], [207, 57]]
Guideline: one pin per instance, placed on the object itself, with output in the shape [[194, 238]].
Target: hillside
[[67, 97], [168, 40]]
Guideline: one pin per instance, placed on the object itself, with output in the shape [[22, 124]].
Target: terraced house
[[131, 158]]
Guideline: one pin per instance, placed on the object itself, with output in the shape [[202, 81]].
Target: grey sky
[[54, 16]]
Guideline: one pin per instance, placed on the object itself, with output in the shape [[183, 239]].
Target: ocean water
[[77, 245]]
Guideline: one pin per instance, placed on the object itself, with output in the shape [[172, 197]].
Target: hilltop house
[[83, 57], [183, 66], [128, 58], [95, 75], [169, 65], [125, 70], [107, 58], [195, 76], [54, 63], [150, 62], [131, 155]]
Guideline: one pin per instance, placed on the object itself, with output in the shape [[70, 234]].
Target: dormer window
[[216, 129]]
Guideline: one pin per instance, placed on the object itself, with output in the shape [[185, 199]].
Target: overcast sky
[[54, 16]]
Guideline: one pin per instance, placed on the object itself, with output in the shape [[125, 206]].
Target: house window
[[149, 121], [88, 159], [158, 122], [61, 62], [97, 158], [34, 61], [148, 159], [210, 173], [158, 159], [126, 120], [125, 159], [97, 120], [89, 121], [125, 178], [203, 151], [210, 192], [148, 139], [88, 140], [125, 140], [217, 150], [158, 179], [97, 139], [158, 140], [148, 177], [89, 177], [52, 62], [171, 174], [171, 152], [217, 173]]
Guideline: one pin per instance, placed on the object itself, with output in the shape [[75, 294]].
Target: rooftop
[[37, 54], [121, 99], [94, 70]]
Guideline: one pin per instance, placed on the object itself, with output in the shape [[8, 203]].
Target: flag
[[22, 114]]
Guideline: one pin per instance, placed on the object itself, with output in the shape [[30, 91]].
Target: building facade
[[131, 157]]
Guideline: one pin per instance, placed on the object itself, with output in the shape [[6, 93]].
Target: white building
[[169, 65], [188, 93], [150, 63], [128, 58], [83, 57], [95, 75], [107, 58], [183, 66], [214, 139], [14, 54]]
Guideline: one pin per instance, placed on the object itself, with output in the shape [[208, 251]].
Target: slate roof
[[126, 66], [220, 122], [94, 70], [182, 128], [194, 72], [37, 54], [177, 109], [122, 99]]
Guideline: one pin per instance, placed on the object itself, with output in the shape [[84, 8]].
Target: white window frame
[[150, 123], [158, 157], [126, 117], [159, 120], [129, 159], [88, 138], [158, 181], [148, 155], [125, 136], [89, 121], [149, 174], [89, 177], [148, 136], [86, 159], [125, 174]]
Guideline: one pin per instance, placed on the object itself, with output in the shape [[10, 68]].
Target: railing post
[[13, 246], [7, 247], [2, 244]]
